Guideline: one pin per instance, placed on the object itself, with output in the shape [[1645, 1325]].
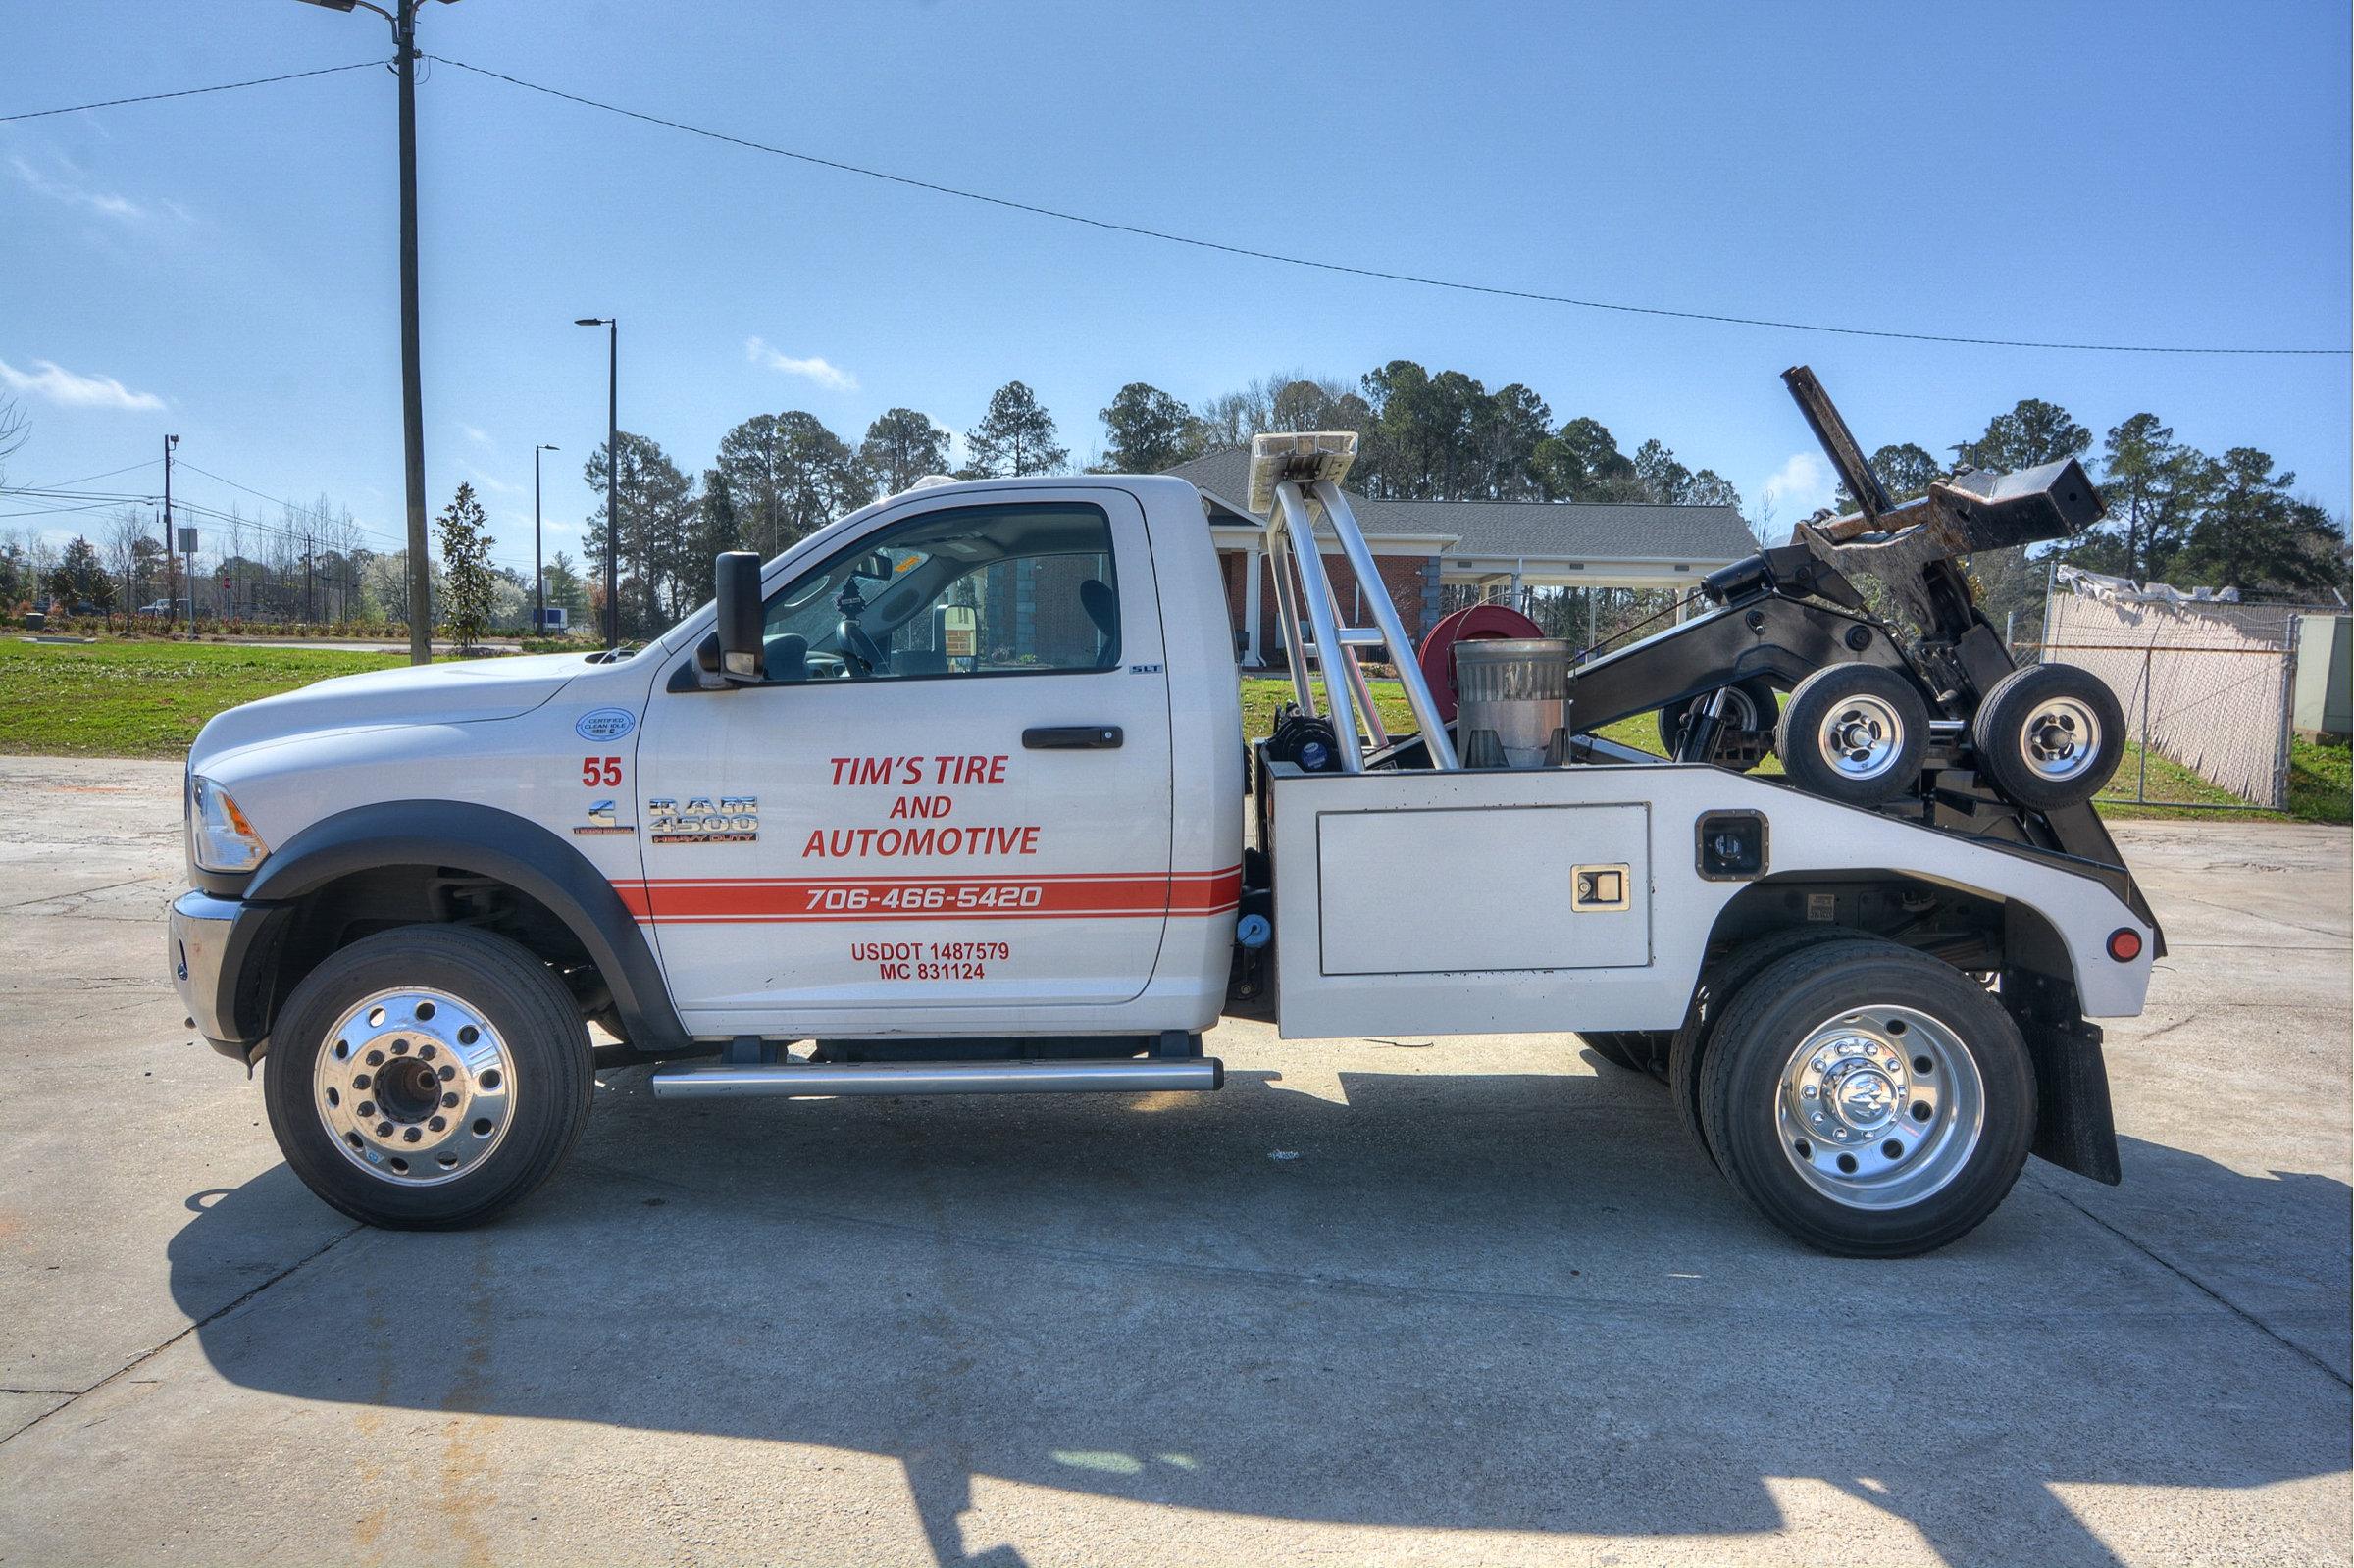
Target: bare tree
[[131, 549], [14, 430]]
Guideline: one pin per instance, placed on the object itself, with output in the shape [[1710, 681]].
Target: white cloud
[[1802, 483], [74, 195], [830, 377], [474, 434], [60, 386], [493, 484]]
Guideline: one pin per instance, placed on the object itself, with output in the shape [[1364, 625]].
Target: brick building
[[1498, 547]]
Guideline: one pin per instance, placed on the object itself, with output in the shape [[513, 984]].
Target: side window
[[981, 590]]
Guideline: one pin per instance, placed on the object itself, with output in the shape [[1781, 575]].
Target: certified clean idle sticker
[[604, 724], [727, 820]]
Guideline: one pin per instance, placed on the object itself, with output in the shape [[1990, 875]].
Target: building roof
[[1606, 531], [1534, 531]]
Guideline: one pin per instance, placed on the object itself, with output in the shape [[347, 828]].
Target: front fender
[[485, 841]]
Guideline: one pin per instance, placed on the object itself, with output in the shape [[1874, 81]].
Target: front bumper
[[223, 953]]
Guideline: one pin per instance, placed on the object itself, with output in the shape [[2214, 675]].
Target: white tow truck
[[952, 796]]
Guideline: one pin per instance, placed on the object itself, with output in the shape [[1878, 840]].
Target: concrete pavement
[[1379, 1300]]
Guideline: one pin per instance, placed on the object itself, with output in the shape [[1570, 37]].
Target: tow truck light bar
[[1305, 458]]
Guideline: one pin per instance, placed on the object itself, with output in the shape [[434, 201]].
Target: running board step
[[826, 1079]]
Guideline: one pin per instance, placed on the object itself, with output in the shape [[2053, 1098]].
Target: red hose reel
[[1475, 623]]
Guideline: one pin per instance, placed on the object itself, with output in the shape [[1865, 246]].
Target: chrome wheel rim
[[1861, 738], [2060, 740], [414, 1087], [1880, 1108]]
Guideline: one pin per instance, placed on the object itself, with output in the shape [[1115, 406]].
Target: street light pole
[[412, 375], [612, 473], [538, 572]]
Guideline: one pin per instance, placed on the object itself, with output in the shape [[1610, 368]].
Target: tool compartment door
[[1480, 901], [1527, 887]]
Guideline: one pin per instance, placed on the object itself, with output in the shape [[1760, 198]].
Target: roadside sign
[[187, 542]]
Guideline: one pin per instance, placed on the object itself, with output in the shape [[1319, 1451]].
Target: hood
[[461, 691]]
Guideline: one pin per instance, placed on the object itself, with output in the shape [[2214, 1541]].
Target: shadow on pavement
[[1496, 1303]]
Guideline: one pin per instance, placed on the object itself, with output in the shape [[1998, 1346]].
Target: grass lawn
[[145, 699]]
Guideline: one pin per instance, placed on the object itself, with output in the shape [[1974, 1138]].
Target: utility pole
[[170, 546], [412, 374], [403, 18]]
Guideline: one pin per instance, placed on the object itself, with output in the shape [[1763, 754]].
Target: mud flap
[[2073, 1127]]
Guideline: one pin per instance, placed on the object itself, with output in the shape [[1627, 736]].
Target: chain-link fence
[[2207, 688]]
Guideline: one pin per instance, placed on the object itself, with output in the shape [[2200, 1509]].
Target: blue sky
[[223, 266]]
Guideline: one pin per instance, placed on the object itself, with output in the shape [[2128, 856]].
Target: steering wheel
[[858, 649]]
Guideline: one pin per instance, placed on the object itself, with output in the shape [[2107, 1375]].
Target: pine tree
[[1015, 437], [81, 578], [1150, 432], [469, 582], [902, 446]]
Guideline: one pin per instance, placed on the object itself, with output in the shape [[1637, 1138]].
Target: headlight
[[220, 838]]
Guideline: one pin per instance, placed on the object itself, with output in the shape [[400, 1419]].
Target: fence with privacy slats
[[2204, 685]]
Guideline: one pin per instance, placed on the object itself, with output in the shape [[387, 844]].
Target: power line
[[248, 488], [108, 475], [190, 92], [1457, 284]]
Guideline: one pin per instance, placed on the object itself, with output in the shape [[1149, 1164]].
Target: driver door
[[951, 794]]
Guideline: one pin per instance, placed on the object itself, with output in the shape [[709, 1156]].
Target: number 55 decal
[[600, 772]]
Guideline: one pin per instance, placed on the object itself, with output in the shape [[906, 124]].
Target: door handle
[[1073, 737]]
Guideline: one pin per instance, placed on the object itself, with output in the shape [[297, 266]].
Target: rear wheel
[[1718, 985], [1871, 1101], [427, 1078]]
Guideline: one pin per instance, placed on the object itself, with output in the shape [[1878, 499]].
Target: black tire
[[1855, 733], [518, 1085], [1718, 985], [1937, 1190], [1754, 707], [2032, 738]]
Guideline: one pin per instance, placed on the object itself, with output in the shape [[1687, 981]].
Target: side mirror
[[735, 584]]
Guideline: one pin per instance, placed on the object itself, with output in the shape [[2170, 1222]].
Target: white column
[[1250, 604]]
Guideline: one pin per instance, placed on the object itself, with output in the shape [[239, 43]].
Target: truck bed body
[[1443, 903]]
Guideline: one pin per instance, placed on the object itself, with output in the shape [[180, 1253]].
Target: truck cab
[[952, 796]]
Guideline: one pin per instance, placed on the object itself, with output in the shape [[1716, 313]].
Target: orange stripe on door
[[1066, 896]]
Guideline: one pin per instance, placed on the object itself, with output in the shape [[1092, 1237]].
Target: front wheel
[[429, 1077], [1871, 1101]]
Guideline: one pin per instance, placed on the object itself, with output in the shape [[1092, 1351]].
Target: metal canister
[[1512, 702]]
